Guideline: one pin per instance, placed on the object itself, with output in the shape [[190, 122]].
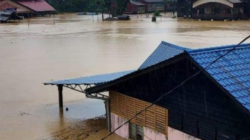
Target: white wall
[[150, 134], [174, 134], [116, 121]]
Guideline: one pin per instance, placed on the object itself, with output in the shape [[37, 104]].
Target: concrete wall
[[174, 134], [150, 134], [116, 121]]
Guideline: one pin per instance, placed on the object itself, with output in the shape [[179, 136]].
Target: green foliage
[[157, 13], [109, 6], [153, 19], [75, 5]]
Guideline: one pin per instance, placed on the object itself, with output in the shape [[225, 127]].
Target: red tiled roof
[[37, 5]]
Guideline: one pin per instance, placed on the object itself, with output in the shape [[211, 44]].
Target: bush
[[153, 19], [157, 13]]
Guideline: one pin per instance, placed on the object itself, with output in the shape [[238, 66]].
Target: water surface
[[70, 46]]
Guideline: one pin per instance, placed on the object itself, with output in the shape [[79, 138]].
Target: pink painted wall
[[116, 121], [150, 134], [174, 134]]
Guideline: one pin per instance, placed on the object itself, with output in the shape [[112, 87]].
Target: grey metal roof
[[136, 3], [3, 18], [235, 1], [153, 0], [96, 79], [163, 52]]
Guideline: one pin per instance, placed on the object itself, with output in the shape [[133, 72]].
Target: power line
[[177, 87]]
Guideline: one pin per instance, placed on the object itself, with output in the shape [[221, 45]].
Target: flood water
[[71, 46]]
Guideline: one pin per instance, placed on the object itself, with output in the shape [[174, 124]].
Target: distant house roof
[[235, 1], [96, 79], [37, 5], [232, 72], [136, 3], [149, 1], [229, 3], [163, 52]]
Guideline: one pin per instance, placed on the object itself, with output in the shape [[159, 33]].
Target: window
[[135, 132], [217, 11], [229, 11]]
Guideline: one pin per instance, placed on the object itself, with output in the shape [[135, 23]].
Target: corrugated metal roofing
[[235, 1], [232, 72], [163, 52], [97, 79], [136, 3], [153, 0], [37, 5]]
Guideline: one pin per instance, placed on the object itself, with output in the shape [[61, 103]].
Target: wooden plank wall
[[155, 117]]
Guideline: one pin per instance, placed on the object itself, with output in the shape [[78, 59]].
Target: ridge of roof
[[175, 46], [163, 52], [218, 48]]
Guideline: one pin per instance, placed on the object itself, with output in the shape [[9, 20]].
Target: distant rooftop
[[37, 5]]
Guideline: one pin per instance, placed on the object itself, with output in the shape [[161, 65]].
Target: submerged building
[[217, 9], [27, 7], [212, 105], [135, 7]]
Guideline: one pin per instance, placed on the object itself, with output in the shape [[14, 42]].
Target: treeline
[[89, 5], [75, 5]]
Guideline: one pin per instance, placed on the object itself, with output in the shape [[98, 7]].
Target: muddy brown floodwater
[[69, 46]]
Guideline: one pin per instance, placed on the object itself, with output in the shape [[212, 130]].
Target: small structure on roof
[[213, 105]]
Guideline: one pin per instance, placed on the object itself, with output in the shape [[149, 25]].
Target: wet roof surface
[[163, 52], [96, 79], [232, 72]]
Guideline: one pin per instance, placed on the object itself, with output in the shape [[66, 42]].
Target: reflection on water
[[79, 46]]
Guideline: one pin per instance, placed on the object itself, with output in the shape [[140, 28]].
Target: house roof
[[232, 72], [160, 54], [153, 1], [235, 1], [136, 3], [37, 5], [163, 52], [96, 79]]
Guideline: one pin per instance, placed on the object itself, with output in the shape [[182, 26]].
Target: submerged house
[[135, 7], [213, 9], [212, 105], [27, 7], [220, 9], [9, 15], [154, 5]]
